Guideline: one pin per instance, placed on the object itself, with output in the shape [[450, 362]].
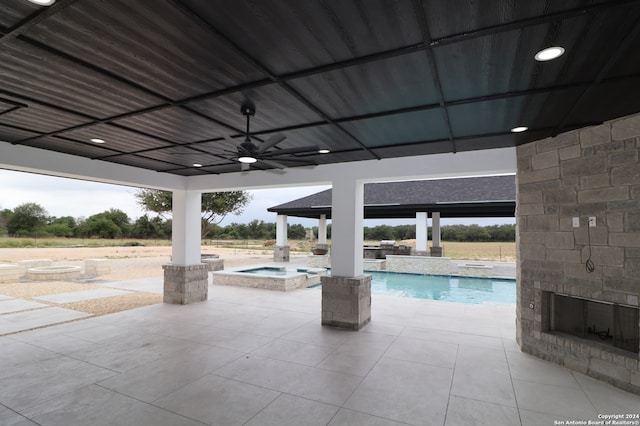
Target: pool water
[[280, 272], [450, 289]]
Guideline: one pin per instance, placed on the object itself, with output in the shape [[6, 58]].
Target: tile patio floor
[[256, 357]]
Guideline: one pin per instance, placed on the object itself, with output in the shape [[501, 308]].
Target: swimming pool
[[445, 288], [270, 271]]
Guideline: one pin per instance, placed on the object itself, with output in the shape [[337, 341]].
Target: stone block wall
[[418, 265], [591, 172], [281, 253], [184, 284], [238, 279], [346, 301]]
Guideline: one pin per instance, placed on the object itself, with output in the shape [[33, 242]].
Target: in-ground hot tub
[[270, 277], [54, 273]]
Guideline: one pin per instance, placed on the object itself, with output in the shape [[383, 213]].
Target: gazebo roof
[[491, 196]]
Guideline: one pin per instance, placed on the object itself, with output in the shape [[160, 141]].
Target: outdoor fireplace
[[606, 323]]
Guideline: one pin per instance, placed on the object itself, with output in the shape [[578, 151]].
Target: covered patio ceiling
[[490, 196], [161, 83]]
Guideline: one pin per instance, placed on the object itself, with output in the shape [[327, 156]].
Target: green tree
[[215, 205], [61, 226], [296, 232], [5, 215], [27, 219], [100, 226], [146, 227], [110, 224]]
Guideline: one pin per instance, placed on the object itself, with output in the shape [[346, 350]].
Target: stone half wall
[[591, 172]]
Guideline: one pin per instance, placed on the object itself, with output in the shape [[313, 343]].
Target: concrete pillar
[[421, 234], [346, 294], [281, 250], [186, 280], [322, 229], [436, 249]]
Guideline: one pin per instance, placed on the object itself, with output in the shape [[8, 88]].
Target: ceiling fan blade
[[271, 142], [274, 164], [310, 148]]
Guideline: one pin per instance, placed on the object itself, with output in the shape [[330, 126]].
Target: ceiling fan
[[249, 152]]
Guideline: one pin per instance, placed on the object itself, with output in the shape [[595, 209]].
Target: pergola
[[148, 94], [489, 196]]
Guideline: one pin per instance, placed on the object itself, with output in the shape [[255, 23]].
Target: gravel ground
[[126, 263]]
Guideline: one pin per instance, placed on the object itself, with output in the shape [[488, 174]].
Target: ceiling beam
[[623, 46], [528, 22], [245, 55], [431, 59]]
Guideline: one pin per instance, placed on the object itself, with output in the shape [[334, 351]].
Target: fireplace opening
[[606, 323]]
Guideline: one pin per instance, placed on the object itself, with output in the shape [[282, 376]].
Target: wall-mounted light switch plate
[[576, 222], [592, 221]]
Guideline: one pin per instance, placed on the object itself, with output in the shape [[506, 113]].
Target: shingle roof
[[491, 196]]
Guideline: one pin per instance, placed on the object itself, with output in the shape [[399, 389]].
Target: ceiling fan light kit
[[250, 153]]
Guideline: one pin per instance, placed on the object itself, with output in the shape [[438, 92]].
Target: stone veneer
[[418, 265], [346, 301], [184, 284], [281, 253], [591, 172]]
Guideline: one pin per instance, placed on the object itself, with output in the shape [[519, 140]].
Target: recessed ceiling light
[[96, 140], [519, 129], [323, 151], [549, 53], [43, 2], [197, 165], [247, 160]]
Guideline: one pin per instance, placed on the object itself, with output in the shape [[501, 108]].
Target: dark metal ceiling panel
[[394, 151], [394, 83], [41, 118], [501, 115], [39, 74], [11, 134], [365, 79], [292, 35], [141, 162], [115, 138], [471, 16], [275, 108], [147, 45], [83, 149], [613, 94], [175, 124], [323, 136], [184, 156], [12, 12], [399, 129]]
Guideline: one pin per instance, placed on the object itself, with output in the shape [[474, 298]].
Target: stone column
[[436, 248], [421, 234], [346, 294], [186, 280], [281, 250]]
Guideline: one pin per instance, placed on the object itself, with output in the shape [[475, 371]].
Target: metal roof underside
[[162, 81], [491, 196]]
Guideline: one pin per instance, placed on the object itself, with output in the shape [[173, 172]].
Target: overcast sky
[[77, 198]]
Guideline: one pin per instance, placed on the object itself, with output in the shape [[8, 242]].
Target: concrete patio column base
[[184, 284], [281, 254], [436, 252], [346, 301]]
